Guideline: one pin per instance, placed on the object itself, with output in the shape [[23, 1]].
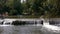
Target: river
[[25, 29], [20, 29]]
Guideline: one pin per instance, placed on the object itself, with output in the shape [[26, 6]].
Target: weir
[[33, 21]]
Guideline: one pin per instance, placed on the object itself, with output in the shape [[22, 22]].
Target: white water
[[10, 29], [52, 27], [8, 21], [46, 24]]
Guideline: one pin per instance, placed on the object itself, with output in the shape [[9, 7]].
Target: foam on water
[[6, 25], [8, 21], [52, 27]]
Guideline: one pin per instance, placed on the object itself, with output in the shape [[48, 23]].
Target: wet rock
[[18, 22], [52, 22]]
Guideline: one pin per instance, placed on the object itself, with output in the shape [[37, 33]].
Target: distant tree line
[[31, 7]]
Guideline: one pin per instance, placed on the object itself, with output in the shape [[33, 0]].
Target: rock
[[18, 22]]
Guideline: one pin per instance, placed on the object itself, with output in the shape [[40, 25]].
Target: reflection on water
[[27, 29]]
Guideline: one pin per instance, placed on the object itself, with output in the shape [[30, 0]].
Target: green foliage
[[37, 7], [31, 7]]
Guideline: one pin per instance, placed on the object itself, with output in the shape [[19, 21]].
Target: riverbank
[[17, 17], [29, 17]]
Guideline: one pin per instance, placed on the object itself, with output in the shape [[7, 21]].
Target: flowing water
[[25, 29], [20, 29]]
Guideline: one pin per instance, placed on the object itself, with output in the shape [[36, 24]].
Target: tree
[[2, 4], [37, 7], [18, 6]]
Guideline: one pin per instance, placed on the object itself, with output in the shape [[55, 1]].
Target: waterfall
[[7, 22], [46, 22], [4, 22], [38, 23]]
